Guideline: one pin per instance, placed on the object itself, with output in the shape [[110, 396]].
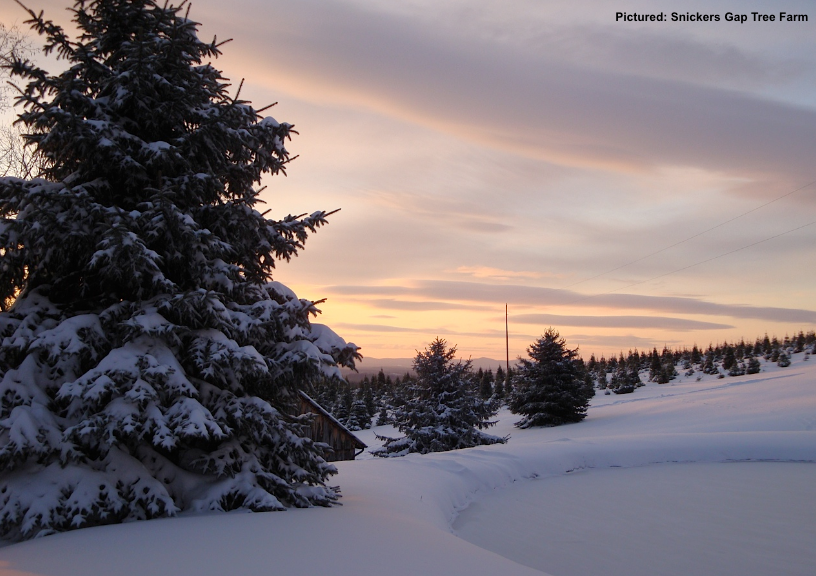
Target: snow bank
[[735, 519]]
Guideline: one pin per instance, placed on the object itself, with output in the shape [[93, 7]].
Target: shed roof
[[357, 442]]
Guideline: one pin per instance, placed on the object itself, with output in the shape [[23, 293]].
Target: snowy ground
[[712, 477]]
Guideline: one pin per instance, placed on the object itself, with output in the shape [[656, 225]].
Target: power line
[[721, 224], [692, 265]]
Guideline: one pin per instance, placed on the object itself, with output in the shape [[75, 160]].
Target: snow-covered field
[[711, 477]]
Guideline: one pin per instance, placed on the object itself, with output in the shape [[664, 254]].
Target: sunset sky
[[538, 154]]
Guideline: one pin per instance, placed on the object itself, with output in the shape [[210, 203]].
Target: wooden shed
[[326, 429]]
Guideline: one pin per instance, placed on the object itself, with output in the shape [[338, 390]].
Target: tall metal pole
[[507, 340]]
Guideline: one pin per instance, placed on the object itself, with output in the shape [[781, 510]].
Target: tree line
[[623, 374], [550, 387], [446, 405]]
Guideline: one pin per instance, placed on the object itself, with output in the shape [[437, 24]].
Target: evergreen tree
[[498, 389], [502, 386], [342, 410], [368, 398], [442, 413], [655, 367], [800, 343], [508, 381], [753, 366], [358, 418], [382, 417], [148, 362], [696, 357], [626, 378], [600, 378], [669, 371], [486, 385], [729, 358], [381, 379], [708, 364], [783, 360], [549, 389], [740, 349], [500, 375], [589, 383], [737, 369]]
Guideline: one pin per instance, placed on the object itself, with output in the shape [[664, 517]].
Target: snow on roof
[[357, 442]]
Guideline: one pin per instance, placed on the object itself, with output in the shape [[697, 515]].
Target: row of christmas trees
[[365, 403], [373, 401], [623, 374]]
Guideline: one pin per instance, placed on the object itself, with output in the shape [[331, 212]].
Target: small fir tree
[[626, 378], [799, 343], [359, 418], [549, 389], [486, 385], [729, 358], [737, 369], [442, 412], [498, 390], [502, 387], [382, 417], [370, 403], [783, 360], [709, 366], [342, 410], [148, 362]]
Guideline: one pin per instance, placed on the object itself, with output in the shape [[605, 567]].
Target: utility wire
[[691, 238], [692, 265]]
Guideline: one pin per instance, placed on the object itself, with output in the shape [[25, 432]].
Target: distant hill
[[399, 366]]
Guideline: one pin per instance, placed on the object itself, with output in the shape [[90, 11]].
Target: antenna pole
[[507, 339]]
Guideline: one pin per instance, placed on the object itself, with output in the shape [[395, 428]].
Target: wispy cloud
[[444, 210], [499, 274], [556, 110], [657, 322], [428, 332], [587, 341], [422, 305], [522, 295]]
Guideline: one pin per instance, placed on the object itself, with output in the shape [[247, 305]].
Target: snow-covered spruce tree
[[358, 418], [625, 379], [549, 388], [148, 363], [442, 411], [783, 360], [753, 366], [382, 416]]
